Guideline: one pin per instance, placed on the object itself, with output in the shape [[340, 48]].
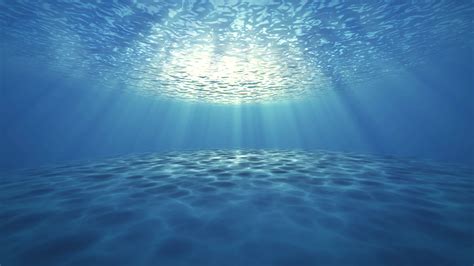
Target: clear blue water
[[225, 132], [242, 207]]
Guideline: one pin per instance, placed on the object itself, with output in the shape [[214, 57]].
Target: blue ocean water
[[236, 132], [239, 207]]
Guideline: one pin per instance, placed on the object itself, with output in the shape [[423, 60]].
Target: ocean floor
[[239, 207]]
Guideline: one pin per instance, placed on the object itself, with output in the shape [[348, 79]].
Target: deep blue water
[[225, 132], [242, 207]]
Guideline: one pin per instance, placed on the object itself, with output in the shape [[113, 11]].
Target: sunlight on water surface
[[233, 51]]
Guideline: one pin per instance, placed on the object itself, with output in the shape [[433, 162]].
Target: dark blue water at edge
[[239, 207]]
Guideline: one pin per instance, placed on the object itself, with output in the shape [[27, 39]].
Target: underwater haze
[[236, 132]]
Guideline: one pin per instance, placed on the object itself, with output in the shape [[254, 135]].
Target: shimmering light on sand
[[254, 207]]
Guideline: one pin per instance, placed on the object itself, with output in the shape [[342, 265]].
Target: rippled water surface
[[231, 51], [230, 207]]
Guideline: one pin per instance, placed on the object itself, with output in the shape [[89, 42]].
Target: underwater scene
[[236, 132]]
